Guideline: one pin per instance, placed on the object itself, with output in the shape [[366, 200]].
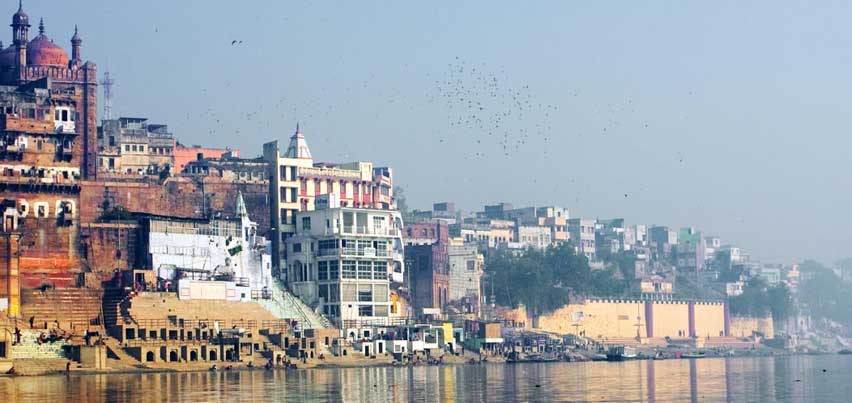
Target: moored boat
[[621, 353]]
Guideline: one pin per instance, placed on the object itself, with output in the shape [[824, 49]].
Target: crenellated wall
[[625, 319]]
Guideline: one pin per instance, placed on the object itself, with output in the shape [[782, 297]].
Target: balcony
[[361, 252], [360, 230], [66, 129]]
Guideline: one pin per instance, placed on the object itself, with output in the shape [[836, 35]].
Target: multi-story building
[[296, 181], [552, 217], [711, 244], [609, 236], [134, 146], [466, 267], [47, 141], [690, 250], [640, 233], [663, 241], [428, 265], [534, 237], [444, 212], [582, 232], [555, 218], [183, 155], [347, 262], [499, 211]]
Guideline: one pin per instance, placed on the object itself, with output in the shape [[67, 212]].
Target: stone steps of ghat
[[285, 305], [74, 308], [39, 366]]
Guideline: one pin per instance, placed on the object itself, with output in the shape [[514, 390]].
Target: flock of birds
[[487, 107], [484, 108]]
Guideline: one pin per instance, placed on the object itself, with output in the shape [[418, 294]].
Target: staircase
[[115, 347], [285, 305], [29, 348], [112, 308]]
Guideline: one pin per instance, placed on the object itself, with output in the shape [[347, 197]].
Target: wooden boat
[[621, 353], [698, 354]]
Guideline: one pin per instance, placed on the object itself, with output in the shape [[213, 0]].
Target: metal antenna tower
[[107, 82]]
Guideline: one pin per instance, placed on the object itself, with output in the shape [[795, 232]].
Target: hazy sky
[[729, 116]]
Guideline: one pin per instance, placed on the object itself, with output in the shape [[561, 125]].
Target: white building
[[207, 250], [534, 237], [347, 261], [582, 232], [296, 182], [466, 270]]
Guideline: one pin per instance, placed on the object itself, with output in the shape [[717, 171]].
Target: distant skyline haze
[[727, 116]]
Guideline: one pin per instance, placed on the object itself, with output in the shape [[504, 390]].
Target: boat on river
[[621, 353], [697, 354]]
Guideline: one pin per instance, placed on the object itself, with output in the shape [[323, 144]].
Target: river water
[[767, 379]]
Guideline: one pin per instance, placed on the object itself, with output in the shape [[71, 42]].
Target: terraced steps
[[76, 309]]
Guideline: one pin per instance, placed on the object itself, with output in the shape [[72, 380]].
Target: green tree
[[753, 301], [780, 302], [543, 280]]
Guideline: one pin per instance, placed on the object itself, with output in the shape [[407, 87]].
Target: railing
[[362, 230], [179, 323]]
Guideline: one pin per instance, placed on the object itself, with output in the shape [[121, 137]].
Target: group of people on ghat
[[54, 335]]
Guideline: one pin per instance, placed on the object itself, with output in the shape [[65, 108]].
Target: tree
[[780, 302], [823, 294], [753, 301], [543, 280], [401, 203]]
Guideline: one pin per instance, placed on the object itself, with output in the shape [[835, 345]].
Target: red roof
[[41, 51]]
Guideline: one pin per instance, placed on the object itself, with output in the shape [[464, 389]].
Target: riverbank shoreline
[[368, 363]]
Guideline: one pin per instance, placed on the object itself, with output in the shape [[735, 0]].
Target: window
[[323, 292], [365, 310], [283, 194], [333, 270], [380, 270], [283, 216], [471, 265], [297, 247], [365, 296], [293, 176], [381, 248], [349, 269], [322, 270], [292, 195], [306, 223], [327, 244], [127, 147], [364, 270], [64, 115]]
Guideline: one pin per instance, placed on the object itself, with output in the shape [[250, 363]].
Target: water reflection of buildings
[[731, 380]]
